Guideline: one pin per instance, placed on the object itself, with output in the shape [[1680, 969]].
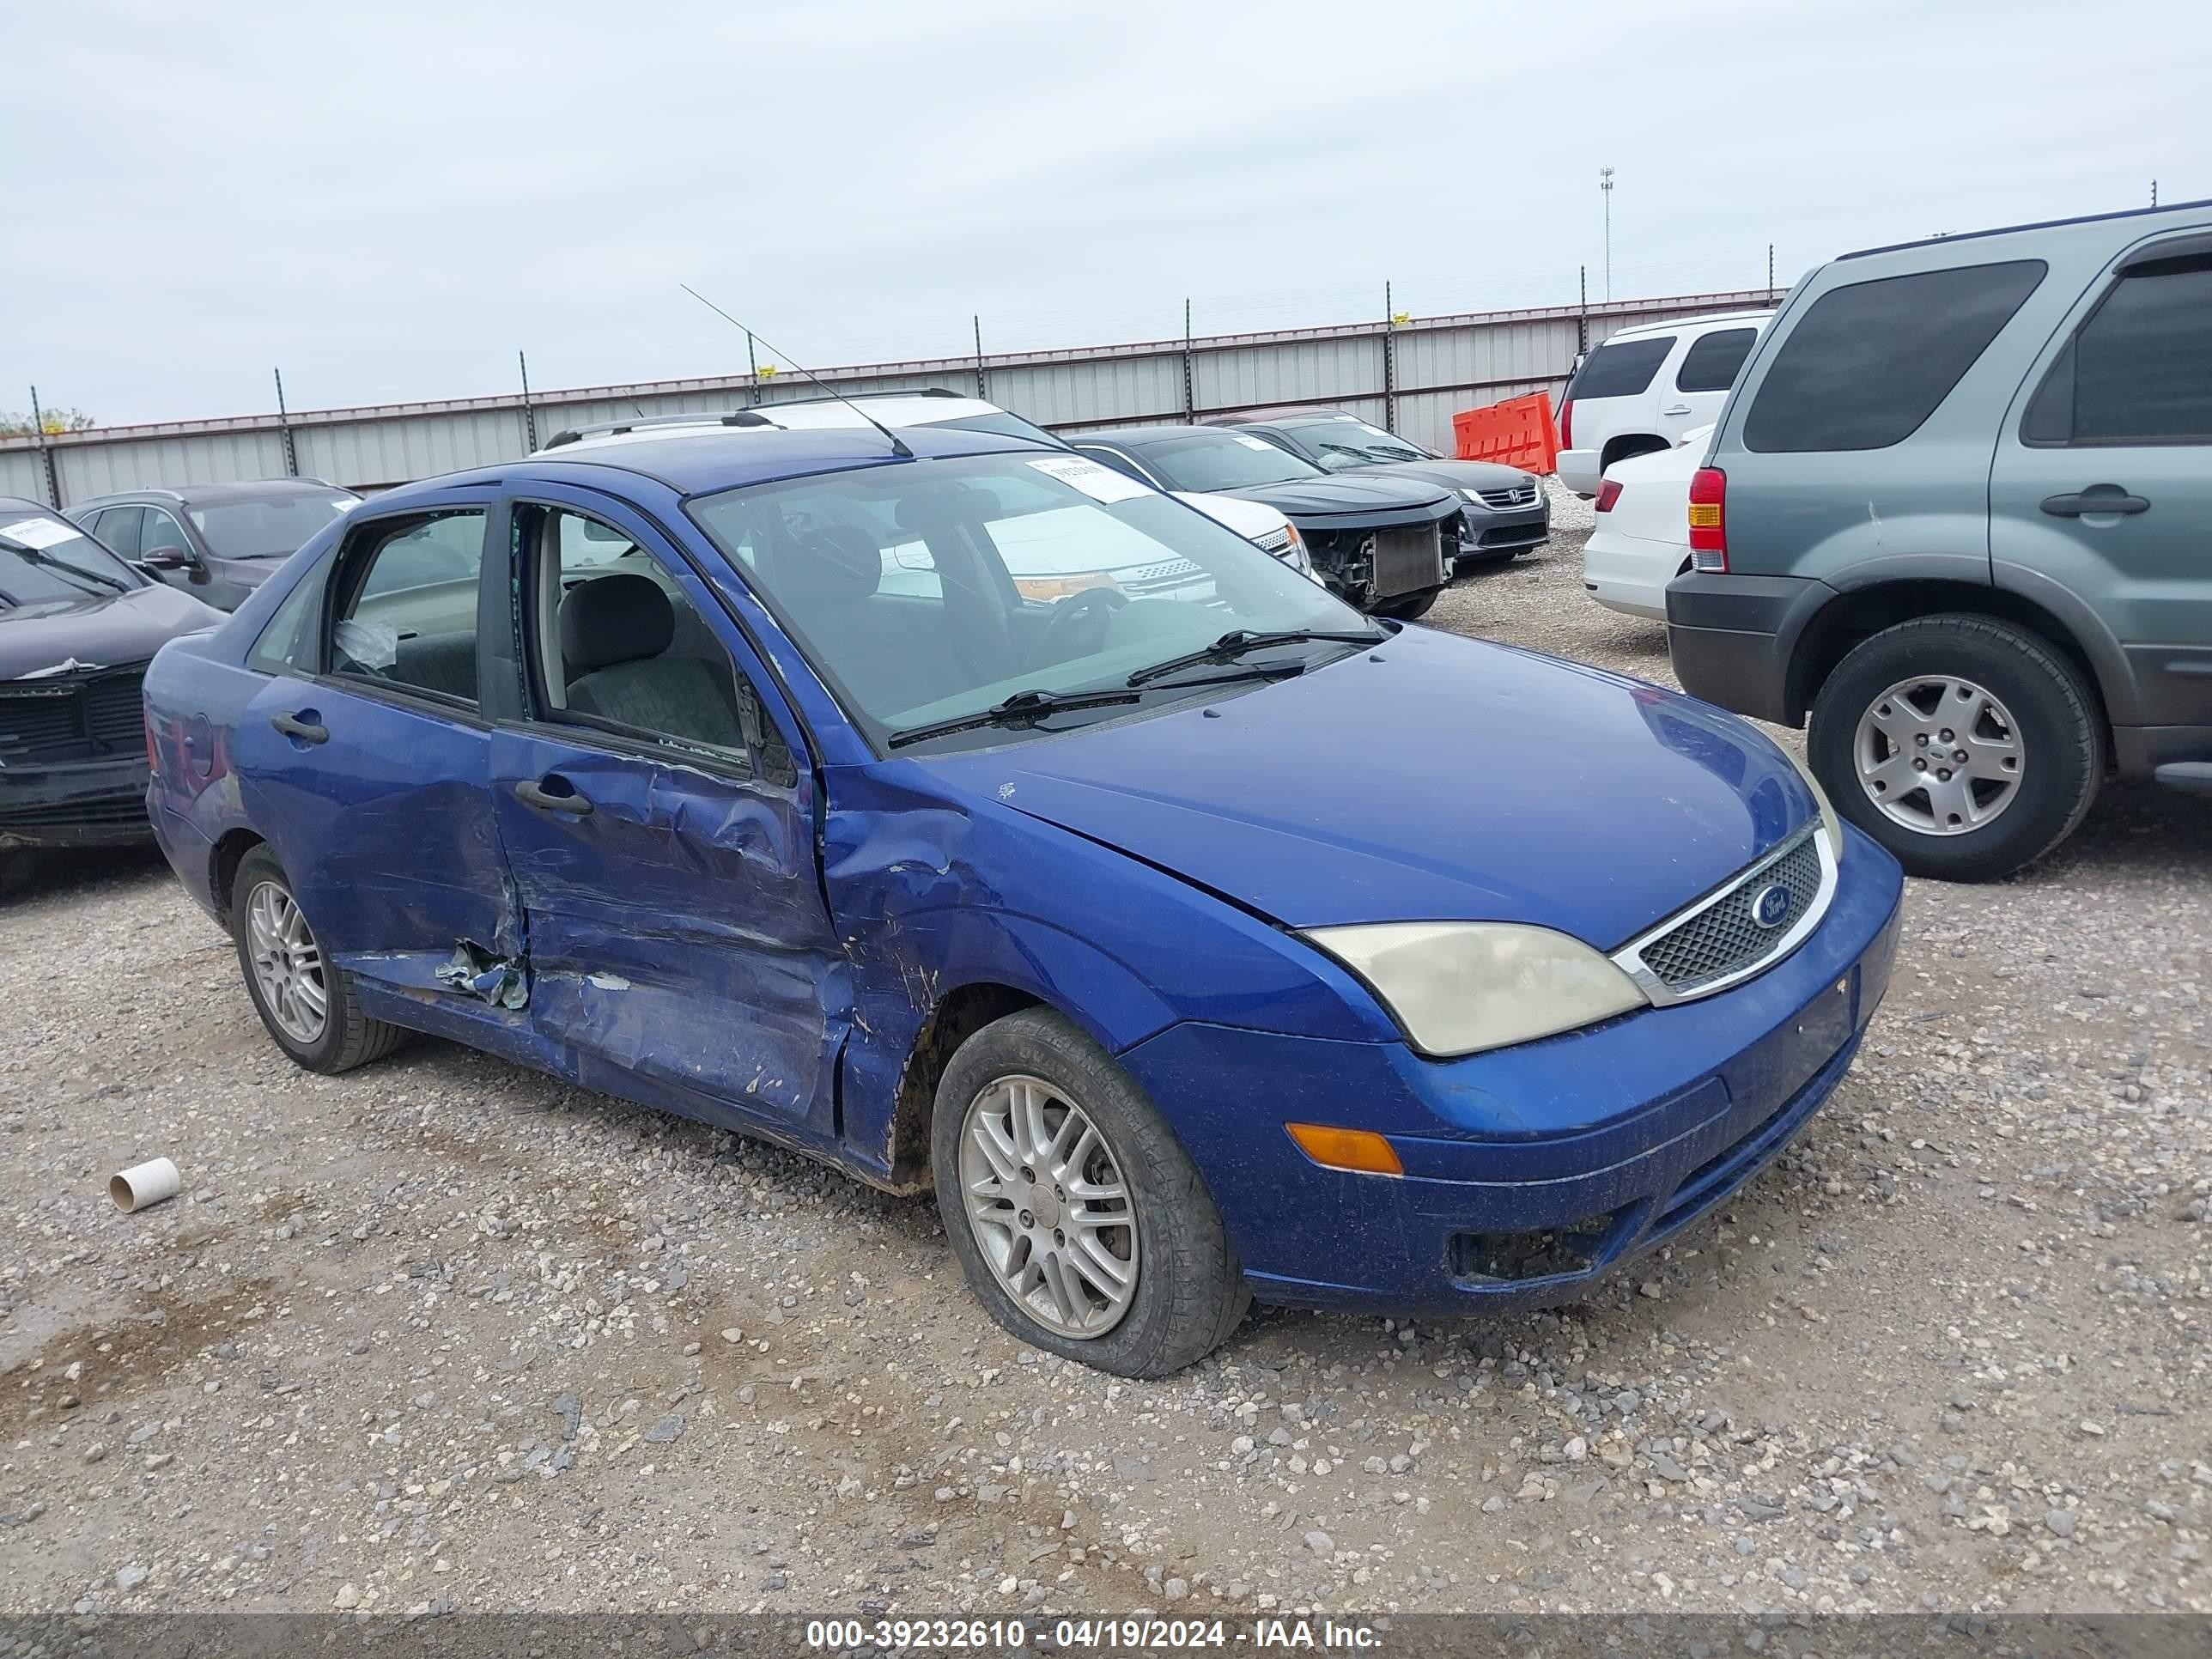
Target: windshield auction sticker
[[1101, 483], [39, 533]]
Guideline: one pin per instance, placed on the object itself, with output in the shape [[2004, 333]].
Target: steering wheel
[[1087, 610]]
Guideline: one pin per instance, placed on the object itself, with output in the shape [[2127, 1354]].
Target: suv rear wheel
[[1966, 746]]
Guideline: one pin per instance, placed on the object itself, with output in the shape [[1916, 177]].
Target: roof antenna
[[897, 444]]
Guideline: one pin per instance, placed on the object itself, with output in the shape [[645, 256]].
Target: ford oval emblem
[[1771, 908]]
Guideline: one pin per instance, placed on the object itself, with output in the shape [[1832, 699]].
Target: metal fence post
[[1389, 363], [1770, 273], [1582, 322], [529, 411], [284, 428], [45, 453], [982, 381], [1189, 378]]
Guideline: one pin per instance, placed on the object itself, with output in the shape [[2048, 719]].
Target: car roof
[[24, 504], [1680, 324], [209, 494], [893, 409], [1139, 433], [694, 461], [2038, 224]]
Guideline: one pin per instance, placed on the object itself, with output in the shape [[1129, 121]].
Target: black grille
[[1512, 535], [127, 807], [1522, 495], [1724, 938], [80, 716]]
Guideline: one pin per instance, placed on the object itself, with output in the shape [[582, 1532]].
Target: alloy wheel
[[287, 963], [1048, 1207], [1939, 754]]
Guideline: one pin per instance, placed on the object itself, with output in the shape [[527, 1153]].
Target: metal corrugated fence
[[1410, 377]]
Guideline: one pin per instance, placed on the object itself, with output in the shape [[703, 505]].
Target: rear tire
[[2043, 709], [344, 1037], [1190, 1288]]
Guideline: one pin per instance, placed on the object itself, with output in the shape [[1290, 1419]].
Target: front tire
[[1081, 1222], [1966, 746], [307, 1002]]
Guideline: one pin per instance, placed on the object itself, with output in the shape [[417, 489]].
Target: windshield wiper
[[40, 555], [1023, 708], [1238, 641]]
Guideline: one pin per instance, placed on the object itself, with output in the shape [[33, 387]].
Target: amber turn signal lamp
[[1361, 1151]]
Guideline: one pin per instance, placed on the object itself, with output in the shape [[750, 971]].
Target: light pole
[[1605, 186]]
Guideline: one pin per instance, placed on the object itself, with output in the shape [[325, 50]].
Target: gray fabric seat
[[438, 662], [887, 651], [616, 632]]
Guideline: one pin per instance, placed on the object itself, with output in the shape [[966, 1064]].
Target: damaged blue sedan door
[[660, 832]]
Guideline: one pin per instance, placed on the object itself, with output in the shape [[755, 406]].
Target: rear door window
[[1713, 361], [407, 610], [2140, 370], [1867, 364], [1620, 368]]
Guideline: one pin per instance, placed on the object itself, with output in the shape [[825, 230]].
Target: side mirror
[[167, 558]]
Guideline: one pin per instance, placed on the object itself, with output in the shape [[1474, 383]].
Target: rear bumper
[[1616, 1136], [1732, 638], [1578, 469], [1630, 574], [85, 804]]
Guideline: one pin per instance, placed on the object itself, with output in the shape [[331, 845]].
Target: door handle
[[1676, 409], [537, 795], [305, 730], [2098, 498]]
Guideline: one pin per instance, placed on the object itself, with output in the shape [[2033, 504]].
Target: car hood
[[1353, 499], [1447, 475], [1451, 779], [1248, 519], [97, 630]]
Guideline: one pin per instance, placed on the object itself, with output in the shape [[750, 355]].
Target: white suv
[[1261, 524], [1646, 386]]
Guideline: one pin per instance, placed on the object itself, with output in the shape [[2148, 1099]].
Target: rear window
[[1712, 363], [1620, 368], [1867, 364]]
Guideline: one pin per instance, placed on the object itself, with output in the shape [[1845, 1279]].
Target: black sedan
[[215, 541], [1377, 541], [77, 628], [1503, 513]]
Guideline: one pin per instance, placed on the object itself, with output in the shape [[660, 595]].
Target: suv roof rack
[[603, 429], [2038, 224]]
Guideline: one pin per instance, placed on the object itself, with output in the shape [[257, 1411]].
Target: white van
[[1644, 388]]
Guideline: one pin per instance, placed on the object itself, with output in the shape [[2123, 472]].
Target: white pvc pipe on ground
[[144, 1185]]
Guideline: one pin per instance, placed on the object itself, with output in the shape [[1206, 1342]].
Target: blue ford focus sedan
[[1193, 940]]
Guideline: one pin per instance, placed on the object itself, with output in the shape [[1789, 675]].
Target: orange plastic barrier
[[1519, 432]]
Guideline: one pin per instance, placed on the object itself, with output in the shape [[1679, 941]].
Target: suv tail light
[[1567, 424], [1709, 520], [153, 749], [1608, 492]]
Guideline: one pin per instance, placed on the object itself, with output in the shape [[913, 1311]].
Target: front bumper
[[1484, 534], [100, 802], [1531, 1171]]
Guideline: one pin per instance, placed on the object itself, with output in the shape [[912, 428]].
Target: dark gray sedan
[[216, 542]]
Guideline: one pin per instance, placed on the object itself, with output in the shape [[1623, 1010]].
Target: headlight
[[1831, 825], [1471, 494], [1457, 987]]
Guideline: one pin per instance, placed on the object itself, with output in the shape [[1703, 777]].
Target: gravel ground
[[446, 1334]]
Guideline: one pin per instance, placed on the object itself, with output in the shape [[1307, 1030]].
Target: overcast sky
[[387, 199]]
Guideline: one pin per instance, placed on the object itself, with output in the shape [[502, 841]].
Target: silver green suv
[[1957, 514]]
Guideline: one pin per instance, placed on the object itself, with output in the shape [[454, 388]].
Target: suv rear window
[[1712, 363], [1620, 368], [1867, 364]]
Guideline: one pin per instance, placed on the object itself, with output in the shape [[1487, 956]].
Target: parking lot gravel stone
[[442, 1334]]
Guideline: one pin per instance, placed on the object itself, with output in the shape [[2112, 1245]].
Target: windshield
[[930, 591], [1344, 441], [44, 556], [273, 528], [1219, 460]]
